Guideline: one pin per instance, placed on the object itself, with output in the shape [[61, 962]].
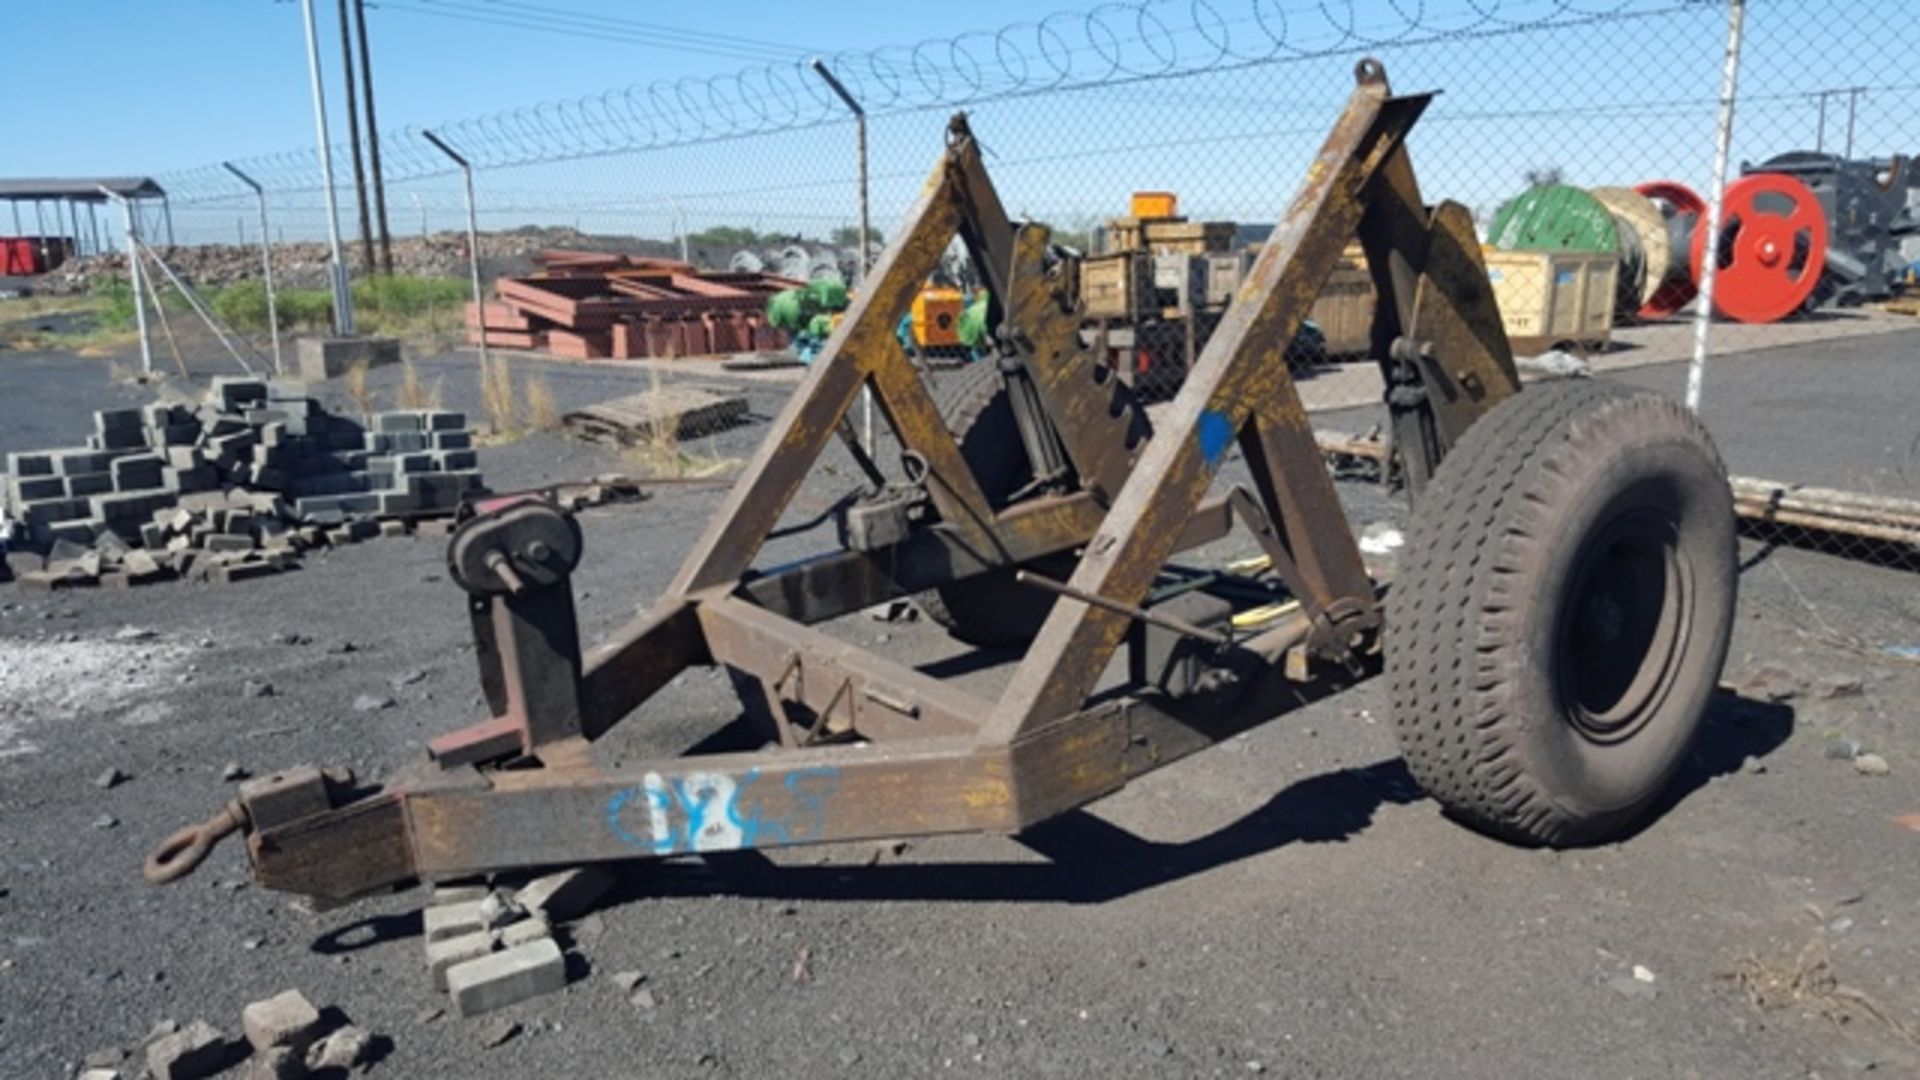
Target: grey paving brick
[[504, 978]]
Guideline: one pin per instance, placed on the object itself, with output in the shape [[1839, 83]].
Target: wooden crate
[[1115, 286], [1189, 237], [1128, 233], [1344, 311], [1549, 298]]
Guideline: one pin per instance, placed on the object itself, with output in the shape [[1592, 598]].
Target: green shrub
[[408, 296], [117, 310]]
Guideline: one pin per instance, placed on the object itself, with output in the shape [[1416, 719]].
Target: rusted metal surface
[[864, 747]]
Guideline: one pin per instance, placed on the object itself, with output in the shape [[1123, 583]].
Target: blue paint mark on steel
[[686, 811], [1216, 434]]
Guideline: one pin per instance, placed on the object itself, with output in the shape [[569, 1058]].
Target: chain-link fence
[[1163, 140]]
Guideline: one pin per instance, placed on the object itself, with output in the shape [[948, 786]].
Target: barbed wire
[[1111, 44]]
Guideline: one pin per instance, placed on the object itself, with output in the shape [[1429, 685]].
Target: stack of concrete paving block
[[234, 488], [489, 948]]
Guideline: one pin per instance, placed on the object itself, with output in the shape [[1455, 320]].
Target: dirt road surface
[[1286, 904]]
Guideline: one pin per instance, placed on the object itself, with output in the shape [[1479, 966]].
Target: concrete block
[[441, 921], [444, 420], [442, 489], [504, 978], [387, 423], [119, 439], [195, 1051], [455, 460], [443, 954], [21, 489], [185, 434], [185, 457], [38, 463], [138, 473], [324, 358], [363, 528], [319, 509], [229, 573], [391, 528], [262, 417], [187, 481], [85, 484], [284, 1020], [524, 932], [565, 895], [128, 506], [396, 503], [48, 511], [344, 1050], [452, 440], [118, 420], [228, 542], [73, 462], [235, 393], [270, 478]]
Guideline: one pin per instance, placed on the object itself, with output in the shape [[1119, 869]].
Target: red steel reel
[[1772, 248], [1677, 202]]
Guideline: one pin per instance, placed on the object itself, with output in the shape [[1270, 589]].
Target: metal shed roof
[[85, 189]]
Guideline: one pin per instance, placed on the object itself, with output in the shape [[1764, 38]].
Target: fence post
[[266, 261], [133, 270], [473, 243], [860, 135], [1723, 141]]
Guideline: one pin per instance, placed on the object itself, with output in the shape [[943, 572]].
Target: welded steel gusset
[[860, 745]]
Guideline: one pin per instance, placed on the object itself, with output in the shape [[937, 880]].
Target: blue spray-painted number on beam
[[714, 811], [1216, 434]]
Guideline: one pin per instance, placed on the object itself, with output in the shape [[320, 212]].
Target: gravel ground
[[1286, 903]]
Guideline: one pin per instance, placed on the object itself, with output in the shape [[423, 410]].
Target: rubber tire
[[992, 610], [1487, 723]]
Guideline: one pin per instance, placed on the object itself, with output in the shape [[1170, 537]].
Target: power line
[[595, 28]]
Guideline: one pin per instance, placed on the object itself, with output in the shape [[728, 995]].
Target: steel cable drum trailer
[[1551, 640]]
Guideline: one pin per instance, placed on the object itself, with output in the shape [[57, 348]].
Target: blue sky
[[1612, 102], [160, 84]]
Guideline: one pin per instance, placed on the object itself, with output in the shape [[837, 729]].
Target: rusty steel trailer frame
[[871, 748]]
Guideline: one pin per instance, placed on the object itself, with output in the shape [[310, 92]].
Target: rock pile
[[235, 488]]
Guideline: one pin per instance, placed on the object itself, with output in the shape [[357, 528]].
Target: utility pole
[[373, 139], [353, 140], [337, 270]]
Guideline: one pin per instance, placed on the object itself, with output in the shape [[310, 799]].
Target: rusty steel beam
[[1240, 378]]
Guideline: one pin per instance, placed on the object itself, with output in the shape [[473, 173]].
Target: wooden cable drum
[[1646, 250]]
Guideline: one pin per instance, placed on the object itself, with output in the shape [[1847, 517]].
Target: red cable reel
[[1771, 251], [1683, 210]]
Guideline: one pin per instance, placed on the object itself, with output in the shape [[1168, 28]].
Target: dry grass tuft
[[1806, 980], [543, 413], [413, 392], [660, 452], [358, 389], [497, 397]]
